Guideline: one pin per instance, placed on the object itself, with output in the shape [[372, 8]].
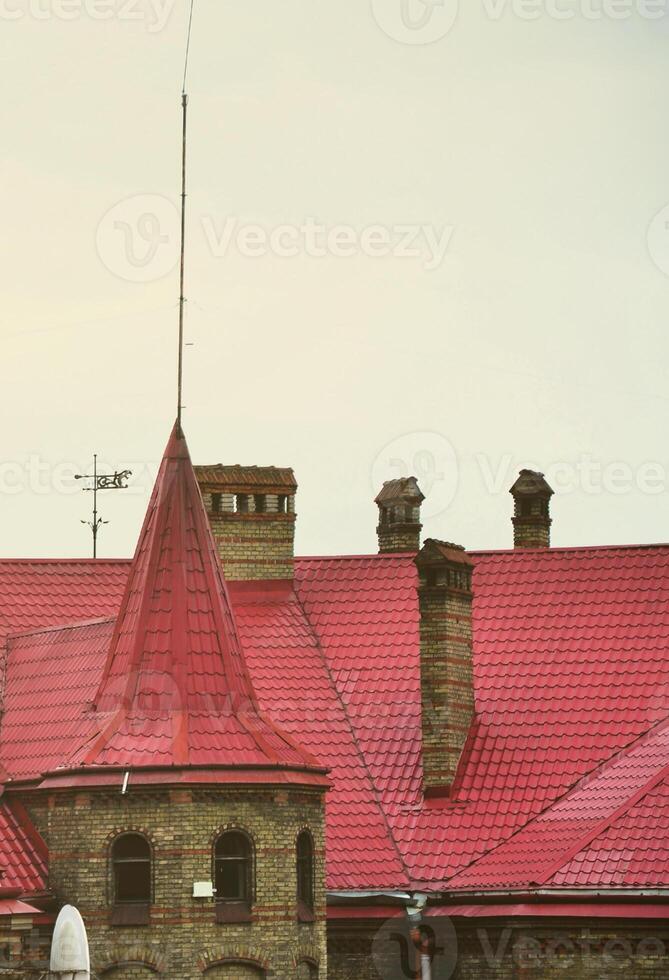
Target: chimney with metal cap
[[399, 515], [251, 510], [531, 515]]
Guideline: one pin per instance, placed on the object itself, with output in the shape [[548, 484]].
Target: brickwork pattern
[[397, 538], [532, 530], [183, 941], [255, 546], [447, 682]]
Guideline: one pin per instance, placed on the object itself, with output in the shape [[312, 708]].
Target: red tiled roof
[[571, 650], [610, 830], [295, 685], [35, 593]]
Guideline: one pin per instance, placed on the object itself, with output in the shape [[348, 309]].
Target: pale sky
[[448, 258]]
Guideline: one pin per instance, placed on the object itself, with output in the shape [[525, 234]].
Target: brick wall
[[514, 951], [398, 538], [183, 941], [254, 546], [531, 530]]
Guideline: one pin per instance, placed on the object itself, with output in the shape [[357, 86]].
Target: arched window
[[305, 875], [131, 871], [233, 876]]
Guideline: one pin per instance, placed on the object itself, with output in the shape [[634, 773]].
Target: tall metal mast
[[182, 298], [182, 267]]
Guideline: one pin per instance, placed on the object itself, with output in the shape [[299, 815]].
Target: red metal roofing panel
[[12, 906], [39, 593], [295, 686], [23, 868], [175, 689]]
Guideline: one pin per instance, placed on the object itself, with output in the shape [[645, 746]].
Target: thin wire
[[190, 24]]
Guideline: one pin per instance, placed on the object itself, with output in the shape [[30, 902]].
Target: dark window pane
[[233, 845], [233, 868], [130, 846], [131, 860], [231, 878], [305, 869]]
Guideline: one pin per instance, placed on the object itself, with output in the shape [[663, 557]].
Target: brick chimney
[[399, 515], [252, 514], [446, 661], [531, 511]]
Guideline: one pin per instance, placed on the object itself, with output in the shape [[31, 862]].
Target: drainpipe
[[423, 960]]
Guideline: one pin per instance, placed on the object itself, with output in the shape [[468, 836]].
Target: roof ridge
[[394, 556], [611, 818], [361, 755], [60, 628], [587, 777], [656, 545], [93, 562]]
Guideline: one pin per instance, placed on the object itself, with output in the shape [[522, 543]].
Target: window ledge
[[130, 915], [233, 912], [304, 913]]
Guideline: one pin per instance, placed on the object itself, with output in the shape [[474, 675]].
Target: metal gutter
[[570, 894], [363, 896]]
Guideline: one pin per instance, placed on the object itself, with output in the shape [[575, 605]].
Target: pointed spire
[[175, 690]]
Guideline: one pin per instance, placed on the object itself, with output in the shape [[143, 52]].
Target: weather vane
[[102, 481]]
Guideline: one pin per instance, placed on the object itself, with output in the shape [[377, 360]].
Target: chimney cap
[[240, 479], [530, 483], [436, 550], [405, 489]]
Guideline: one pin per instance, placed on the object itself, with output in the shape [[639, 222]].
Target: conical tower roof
[[175, 691]]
